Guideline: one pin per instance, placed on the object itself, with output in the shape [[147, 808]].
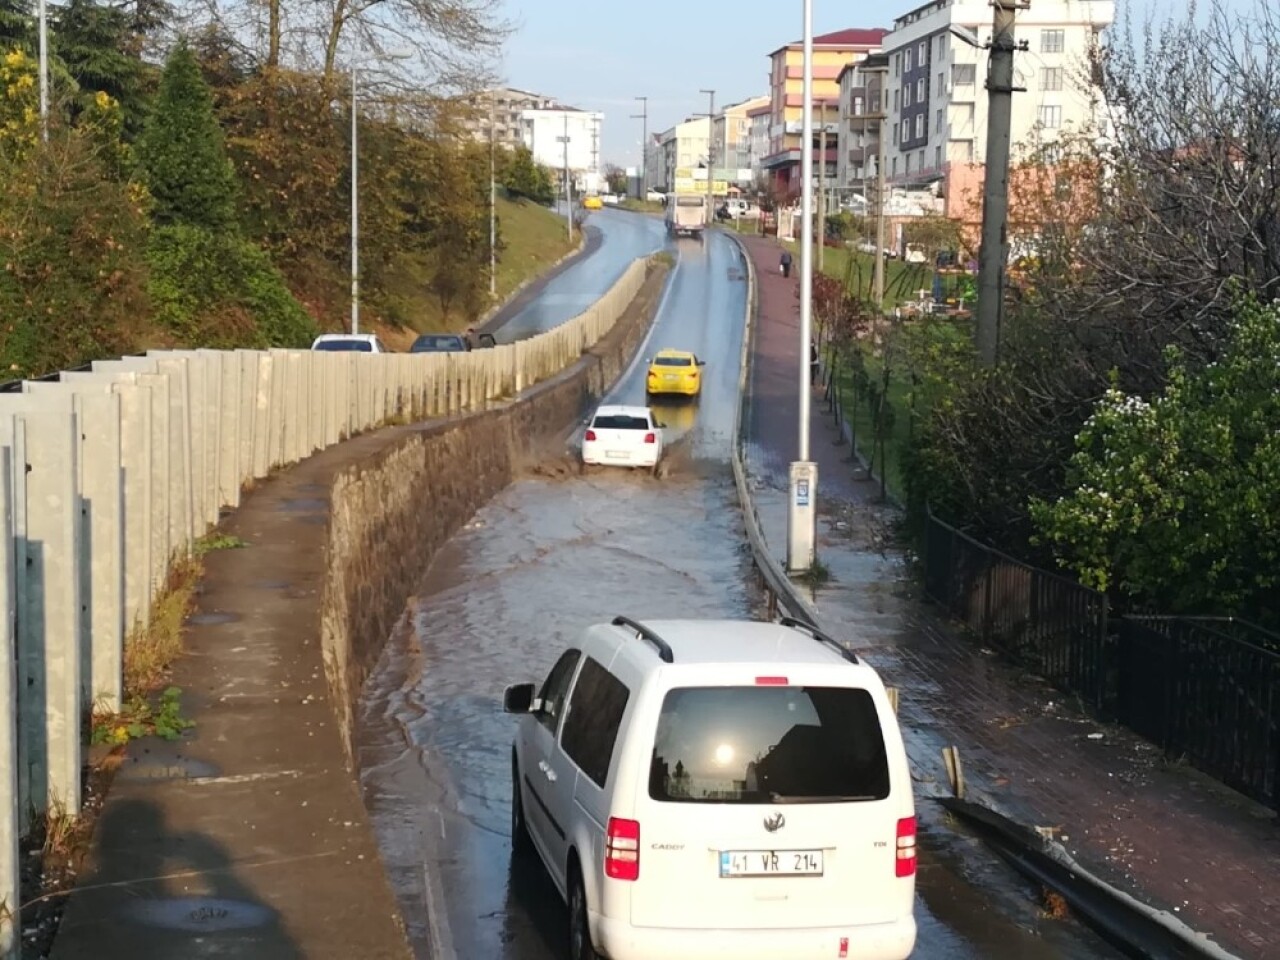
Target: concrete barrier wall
[[110, 475]]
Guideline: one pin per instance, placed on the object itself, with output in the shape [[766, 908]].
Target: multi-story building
[[758, 121], [862, 89], [681, 149], [506, 105], [731, 134], [545, 133], [831, 52], [938, 101]]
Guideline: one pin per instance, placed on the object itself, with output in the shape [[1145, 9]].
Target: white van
[[717, 789]]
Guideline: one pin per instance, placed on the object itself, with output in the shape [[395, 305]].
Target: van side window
[[555, 688], [595, 713]]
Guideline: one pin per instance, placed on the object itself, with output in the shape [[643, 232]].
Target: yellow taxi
[[675, 371], [592, 203]]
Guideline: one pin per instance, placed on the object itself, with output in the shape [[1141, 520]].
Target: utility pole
[[711, 154], [643, 116], [355, 193], [802, 517], [822, 192], [42, 15], [993, 253], [881, 73], [493, 205], [568, 188]]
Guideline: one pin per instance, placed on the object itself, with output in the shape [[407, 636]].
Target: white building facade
[[545, 131], [936, 82], [680, 148], [863, 85]]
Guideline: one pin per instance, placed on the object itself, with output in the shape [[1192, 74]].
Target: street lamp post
[[493, 206], [42, 15], [801, 504], [355, 176], [568, 190], [643, 117], [711, 153]]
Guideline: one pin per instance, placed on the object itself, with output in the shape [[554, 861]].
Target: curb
[[1142, 930], [1117, 915]]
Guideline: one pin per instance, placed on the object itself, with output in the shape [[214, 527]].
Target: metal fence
[[1203, 689], [1050, 623], [1206, 690]]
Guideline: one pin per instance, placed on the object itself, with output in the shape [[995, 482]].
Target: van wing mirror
[[518, 698]]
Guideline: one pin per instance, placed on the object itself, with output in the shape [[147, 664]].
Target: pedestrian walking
[[813, 363], [785, 263], [470, 337]]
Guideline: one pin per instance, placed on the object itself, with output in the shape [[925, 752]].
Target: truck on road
[[686, 214]]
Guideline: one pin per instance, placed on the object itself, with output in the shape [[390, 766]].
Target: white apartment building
[[758, 123], [937, 92], [543, 132], [862, 87], [731, 134], [680, 148], [505, 106]]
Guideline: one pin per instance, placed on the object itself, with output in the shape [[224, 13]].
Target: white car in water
[[717, 789], [623, 436]]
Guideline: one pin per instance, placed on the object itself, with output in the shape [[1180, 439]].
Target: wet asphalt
[[552, 553]]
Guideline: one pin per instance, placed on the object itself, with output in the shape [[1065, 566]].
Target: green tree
[[17, 25], [1175, 502], [182, 153], [523, 177], [94, 43]]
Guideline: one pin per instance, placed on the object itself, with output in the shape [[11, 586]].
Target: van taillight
[[590, 435], [650, 438], [622, 849], [905, 865]]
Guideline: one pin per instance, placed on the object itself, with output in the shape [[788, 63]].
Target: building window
[[906, 130], [906, 95], [937, 157], [895, 101], [897, 64], [1052, 41], [895, 134], [1050, 117], [942, 45], [893, 166], [1051, 78], [922, 53], [907, 158], [939, 121], [942, 83], [920, 129], [907, 66], [920, 97], [964, 74]]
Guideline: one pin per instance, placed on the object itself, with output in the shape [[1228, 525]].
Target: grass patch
[[152, 648], [860, 407], [140, 718], [642, 206], [815, 576], [902, 281]]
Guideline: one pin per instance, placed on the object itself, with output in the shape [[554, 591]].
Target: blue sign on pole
[[802, 493]]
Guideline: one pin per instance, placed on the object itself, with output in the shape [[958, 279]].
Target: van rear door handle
[[547, 771]]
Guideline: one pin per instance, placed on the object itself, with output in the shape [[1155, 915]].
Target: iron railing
[[1048, 622], [1206, 690]]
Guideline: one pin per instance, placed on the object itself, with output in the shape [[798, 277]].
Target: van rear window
[[768, 745]]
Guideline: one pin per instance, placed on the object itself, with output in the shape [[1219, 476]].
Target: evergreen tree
[[182, 153], [93, 42], [17, 25]]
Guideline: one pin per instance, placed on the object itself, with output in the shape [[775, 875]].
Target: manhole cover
[[167, 768], [199, 914]]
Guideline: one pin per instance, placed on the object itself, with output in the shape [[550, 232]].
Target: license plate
[[771, 863], [616, 454], [669, 376]]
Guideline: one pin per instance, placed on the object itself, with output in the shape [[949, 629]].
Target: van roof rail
[[805, 626], [663, 648]]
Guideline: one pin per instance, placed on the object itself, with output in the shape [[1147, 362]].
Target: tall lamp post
[[643, 117], [42, 15], [568, 188], [801, 503], [493, 205], [711, 153]]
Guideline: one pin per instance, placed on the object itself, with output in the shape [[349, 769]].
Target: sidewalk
[[1172, 837]]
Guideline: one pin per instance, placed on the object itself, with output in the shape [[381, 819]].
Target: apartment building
[[731, 134], [566, 136], [863, 86], [938, 98], [831, 52], [758, 122], [506, 105], [680, 150]]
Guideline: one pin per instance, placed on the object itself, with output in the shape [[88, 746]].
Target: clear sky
[[601, 55]]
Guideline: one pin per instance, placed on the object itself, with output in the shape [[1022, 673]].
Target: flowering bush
[[1175, 502]]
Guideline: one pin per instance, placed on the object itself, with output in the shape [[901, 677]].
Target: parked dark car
[[448, 343]]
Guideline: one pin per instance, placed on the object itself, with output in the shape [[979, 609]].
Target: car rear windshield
[[620, 422], [768, 744], [423, 344], [361, 346], [672, 362]]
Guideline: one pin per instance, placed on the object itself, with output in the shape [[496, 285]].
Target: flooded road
[[552, 553], [623, 237]]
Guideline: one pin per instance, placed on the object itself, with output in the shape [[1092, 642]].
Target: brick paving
[[1172, 837]]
